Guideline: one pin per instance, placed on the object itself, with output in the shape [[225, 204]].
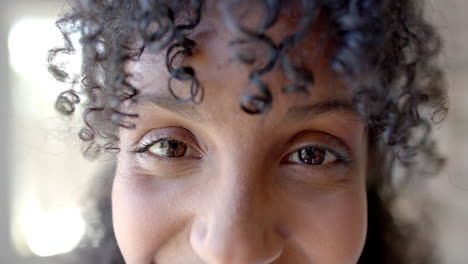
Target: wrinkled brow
[[187, 110], [190, 111], [301, 113]]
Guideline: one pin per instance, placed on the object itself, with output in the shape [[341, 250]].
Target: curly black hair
[[384, 51]]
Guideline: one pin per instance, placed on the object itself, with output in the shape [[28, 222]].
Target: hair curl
[[384, 50]]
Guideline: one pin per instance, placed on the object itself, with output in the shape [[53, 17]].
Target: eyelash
[[340, 158]]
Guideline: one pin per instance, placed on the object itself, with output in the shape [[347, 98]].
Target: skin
[[239, 196]]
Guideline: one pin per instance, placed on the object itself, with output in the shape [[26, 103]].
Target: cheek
[[147, 214], [332, 228]]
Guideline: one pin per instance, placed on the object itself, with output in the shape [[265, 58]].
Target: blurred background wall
[[43, 175]]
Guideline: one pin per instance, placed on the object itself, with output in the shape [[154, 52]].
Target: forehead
[[225, 79]]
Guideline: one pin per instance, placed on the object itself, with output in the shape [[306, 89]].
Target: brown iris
[[312, 156], [169, 148]]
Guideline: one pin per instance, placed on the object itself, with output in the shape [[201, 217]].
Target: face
[[211, 184]]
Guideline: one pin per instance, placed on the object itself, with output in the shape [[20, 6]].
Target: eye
[[313, 156], [169, 148]]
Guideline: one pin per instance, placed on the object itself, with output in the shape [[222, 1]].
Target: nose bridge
[[239, 226], [243, 197], [244, 192], [242, 171]]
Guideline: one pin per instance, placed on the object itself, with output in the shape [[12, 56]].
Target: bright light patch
[[29, 41], [37, 228], [54, 232]]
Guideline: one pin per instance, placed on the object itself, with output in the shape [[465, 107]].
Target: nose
[[238, 226]]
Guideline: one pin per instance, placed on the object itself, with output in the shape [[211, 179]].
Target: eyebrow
[[189, 110], [301, 113], [185, 109]]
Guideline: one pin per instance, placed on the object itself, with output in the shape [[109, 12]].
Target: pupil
[[173, 145], [169, 148], [312, 156], [172, 148]]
